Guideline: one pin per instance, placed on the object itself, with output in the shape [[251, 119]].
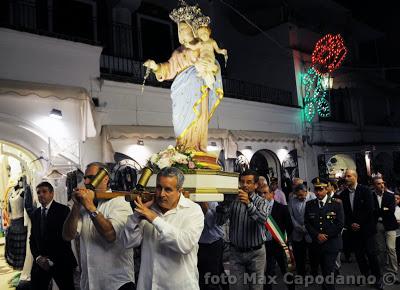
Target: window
[[155, 38], [367, 52], [340, 106], [75, 18], [375, 110]]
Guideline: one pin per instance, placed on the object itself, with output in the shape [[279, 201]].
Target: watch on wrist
[[94, 214]]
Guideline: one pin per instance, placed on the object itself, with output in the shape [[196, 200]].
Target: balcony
[[120, 60], [130, 70]]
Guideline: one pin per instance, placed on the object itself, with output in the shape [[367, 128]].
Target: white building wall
[[35, 58]]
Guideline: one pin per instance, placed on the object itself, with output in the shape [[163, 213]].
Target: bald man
[[360, 222]]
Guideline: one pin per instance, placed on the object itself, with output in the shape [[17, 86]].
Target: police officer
[[324, 220]]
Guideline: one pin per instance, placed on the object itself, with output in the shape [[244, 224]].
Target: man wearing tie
[[301, 240], [274, 250], [386, 227], [324, 220], [360, 222], [53, 257]]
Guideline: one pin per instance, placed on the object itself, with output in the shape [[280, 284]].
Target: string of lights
[[329, 53]]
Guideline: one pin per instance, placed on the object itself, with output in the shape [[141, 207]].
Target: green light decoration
[[312, 85], [323, 108], [314, 95], [309, 111]]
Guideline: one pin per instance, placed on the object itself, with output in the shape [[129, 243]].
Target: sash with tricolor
[[281, 238]]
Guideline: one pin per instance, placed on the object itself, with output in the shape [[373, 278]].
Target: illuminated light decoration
[[309, 111], [313, 93], [323, 108], [329, 53], [313, 88]]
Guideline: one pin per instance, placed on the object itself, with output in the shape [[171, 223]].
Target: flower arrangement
[[171, 157]]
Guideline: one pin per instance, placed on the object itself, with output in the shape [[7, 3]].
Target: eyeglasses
[[89, 177]]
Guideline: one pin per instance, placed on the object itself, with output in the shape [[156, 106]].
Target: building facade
[[90, 54]]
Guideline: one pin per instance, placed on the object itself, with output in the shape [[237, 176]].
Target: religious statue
[[206, 65], [197, 87]]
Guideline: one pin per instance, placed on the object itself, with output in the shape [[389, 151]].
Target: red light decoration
[[329, 53]]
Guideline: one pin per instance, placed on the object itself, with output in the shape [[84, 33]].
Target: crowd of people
[[182, 243]]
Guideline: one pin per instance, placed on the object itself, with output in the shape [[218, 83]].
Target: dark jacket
[[386, 211], [363, 212], [52, 245], [281, 215], [328, 220]]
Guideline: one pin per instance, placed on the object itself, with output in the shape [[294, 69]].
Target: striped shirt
[[246, 222]]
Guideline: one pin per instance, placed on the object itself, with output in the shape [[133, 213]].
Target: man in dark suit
[[324, 220], [53, 257], [360, 222], [387, 225], [274, 250]]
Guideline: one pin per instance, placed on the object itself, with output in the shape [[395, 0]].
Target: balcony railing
[[119, 58], [118, 68]]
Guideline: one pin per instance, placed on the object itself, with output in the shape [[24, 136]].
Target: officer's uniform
[[325, 216]]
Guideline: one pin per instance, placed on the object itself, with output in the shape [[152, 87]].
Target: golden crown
[[200, 21], [189, 14]]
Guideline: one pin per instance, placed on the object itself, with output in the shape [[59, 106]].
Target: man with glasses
[[324, 220], [105, 263], [53, 257]]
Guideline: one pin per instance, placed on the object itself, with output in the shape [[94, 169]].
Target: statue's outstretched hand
[[151, 64]]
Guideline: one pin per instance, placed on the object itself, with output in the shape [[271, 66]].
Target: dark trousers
[[210, 260], [366, 254], [348, 248], [327, 262], [128, 286], [300, 250], [40, 279], [275, 255], [398, 249]]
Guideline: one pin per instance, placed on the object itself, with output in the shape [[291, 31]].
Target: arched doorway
[[21, 145], [267, 164], [241, 163], [338, 164]]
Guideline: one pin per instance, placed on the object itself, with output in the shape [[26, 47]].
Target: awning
[[29, 89], [112, 132], [42, 90], [260, 136]]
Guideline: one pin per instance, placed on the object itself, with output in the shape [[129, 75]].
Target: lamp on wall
[[56, 114], [140, 142]]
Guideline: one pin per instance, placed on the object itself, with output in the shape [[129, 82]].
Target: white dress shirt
[[397, 215], [323, 201], [46, 207], [352, 192], [105, 265], [169, 246], [379, 197]]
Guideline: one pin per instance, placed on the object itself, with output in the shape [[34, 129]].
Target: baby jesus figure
[[206, 65]]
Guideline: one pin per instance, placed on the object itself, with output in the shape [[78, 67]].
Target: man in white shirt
[[168, 229], [105, 263]]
